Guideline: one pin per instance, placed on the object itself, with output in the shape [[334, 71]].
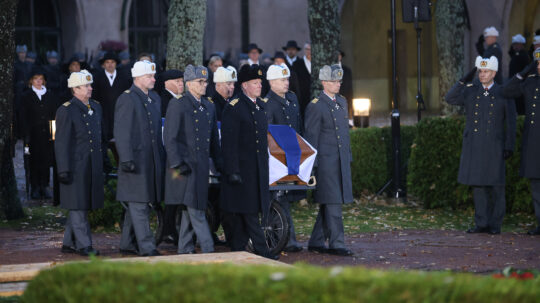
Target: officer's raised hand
[[528, 69], [480, 45], [234, 179], [507, 154], [128, 166], [65, 177], [469, 76]]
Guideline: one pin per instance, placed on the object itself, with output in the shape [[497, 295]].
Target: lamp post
[[361, 108]]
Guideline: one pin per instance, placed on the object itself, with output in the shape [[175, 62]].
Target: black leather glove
[[528, 69], [480, 45], [65, 177], [234, 179], [184, 169], [128, 166], [469, 76], [507, 154]]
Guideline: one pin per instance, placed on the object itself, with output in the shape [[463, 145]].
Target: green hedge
[[434, 165], [112, 211], [103, 282]]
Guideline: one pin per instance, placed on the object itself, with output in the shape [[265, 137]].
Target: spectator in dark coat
[[302, 67]]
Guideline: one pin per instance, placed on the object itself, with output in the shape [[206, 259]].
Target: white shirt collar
[[308, 64], [170, 92], [489, 87], [252, 62], [111, 80], [334, 98], [291, 60], [39, 92]]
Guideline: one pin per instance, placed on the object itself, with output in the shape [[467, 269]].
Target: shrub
[[112, 210], [368, 169], [103, 282]]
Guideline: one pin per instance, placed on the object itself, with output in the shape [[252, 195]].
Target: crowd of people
[[162, 125]]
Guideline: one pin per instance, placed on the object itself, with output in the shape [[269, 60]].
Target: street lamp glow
[[361, 107]]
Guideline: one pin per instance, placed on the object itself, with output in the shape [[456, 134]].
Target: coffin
[[291, 157]]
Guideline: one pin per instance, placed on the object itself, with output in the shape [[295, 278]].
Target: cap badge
[[537, 55], [153, 67], [233, 75], [284, 72], [483, 63], [203, 72], [88, 78], [259, 72], [339, 74]]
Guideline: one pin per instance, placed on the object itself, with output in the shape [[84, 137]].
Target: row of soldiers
[[173, 165], [490, 134]]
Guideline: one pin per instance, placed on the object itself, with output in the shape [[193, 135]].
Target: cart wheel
[[277, 230], [156, 221]]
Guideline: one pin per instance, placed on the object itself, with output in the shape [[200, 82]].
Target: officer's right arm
[[512, 88], [171, 133], [230, 140], [313, 117], [62, 142], [456, 95], [124, 116]]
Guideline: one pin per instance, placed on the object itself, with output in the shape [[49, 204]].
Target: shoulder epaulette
[[127, 91], [210, 99], [95, 101], [315, 100], [531, 75], [67, 103], [264, 100], [469, 84], [291, 92], [233, 102], [179, 96]]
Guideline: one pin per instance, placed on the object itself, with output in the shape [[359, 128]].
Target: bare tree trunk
[[9, 199], [324, 31], [185, 36], [450, 27]]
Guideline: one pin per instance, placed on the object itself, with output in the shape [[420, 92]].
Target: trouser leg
[[498, 208], [255, 233], [128, 240], [185, 235], [238, 234], [80, 228], [480, 195], [227, 222], [318, 236], [139, 213], [535, 193], [334, 222], [169, 221], [68, 233], [199, 225]]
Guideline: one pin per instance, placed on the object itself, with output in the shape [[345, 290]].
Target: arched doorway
[[148, 27], [38, 26]]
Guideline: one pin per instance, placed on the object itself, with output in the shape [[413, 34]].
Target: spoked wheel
[[276, 231], [155, 218]]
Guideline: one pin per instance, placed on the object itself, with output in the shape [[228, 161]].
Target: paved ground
[[413, 249]]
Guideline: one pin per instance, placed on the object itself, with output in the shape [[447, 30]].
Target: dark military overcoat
[[284, 111]]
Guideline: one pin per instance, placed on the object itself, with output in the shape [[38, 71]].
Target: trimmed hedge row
[[103, 282], [434, 165]]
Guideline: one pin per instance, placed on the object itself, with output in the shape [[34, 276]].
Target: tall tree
[[450, 25], [9, 199], [185, 36], [324, 31]]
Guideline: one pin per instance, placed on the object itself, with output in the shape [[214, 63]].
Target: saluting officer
[[137, 132], [327, 130], [526, 84], [488, 139], [282, 107], [191, 138], [244, 190], [79, 150]]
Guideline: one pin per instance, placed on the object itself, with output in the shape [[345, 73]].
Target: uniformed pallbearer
[[282, 107], [137, 134], [527, 84], [244, 190], [79, 157], [488, 140], [327, 130], [191, 138]]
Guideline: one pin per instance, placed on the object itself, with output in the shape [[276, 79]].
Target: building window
[[38, 26], [148, 27]]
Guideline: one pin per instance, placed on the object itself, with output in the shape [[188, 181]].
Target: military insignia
[[287, 102], [88, 78], [337, 106], [233, 102], [469, 84], [233, 75], [90, 112], [315, 100], [201, 108], [339, 73], [149, 100], [203, 72], [264, 100], [537, 55], [284, 72], [257, 107], [483, 63], [259, 72], [67, 103], [127, 91], [178, 96], [486, 93], [153, 67], [210, 99]]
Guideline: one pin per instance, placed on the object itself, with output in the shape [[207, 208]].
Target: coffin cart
[[291, 160]]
